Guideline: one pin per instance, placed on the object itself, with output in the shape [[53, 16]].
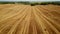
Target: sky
[[29, 0]]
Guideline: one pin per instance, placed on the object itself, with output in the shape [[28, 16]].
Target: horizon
[[28, 0]]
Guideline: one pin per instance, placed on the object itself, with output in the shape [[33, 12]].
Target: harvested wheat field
[[26, 19]]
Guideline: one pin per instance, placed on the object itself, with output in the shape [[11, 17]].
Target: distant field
[[26, 19]]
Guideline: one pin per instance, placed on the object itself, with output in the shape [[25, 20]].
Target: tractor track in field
[[26, 19]]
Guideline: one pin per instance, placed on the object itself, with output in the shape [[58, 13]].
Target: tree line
[[35, 3]]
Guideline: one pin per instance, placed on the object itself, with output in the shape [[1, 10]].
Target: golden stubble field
[[26, 19]]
